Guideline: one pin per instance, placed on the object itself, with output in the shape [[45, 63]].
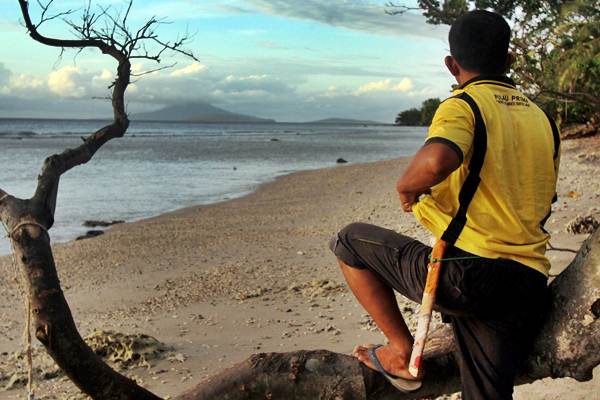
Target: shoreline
[[230, 197], [219, 282], [194, 169]]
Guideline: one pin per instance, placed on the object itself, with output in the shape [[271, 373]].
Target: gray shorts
[[495, 305]]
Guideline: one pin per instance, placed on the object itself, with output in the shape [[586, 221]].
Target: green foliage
[[558, 60], [410, 117], [419, 116], [556, 44], [428, 109]]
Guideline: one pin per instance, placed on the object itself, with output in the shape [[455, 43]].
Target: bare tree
[[568, 345], [28, 220]]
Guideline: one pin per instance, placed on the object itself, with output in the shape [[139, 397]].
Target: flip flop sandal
[[402, 384]]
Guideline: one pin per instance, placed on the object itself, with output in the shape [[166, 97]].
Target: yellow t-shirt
[[518, 177]]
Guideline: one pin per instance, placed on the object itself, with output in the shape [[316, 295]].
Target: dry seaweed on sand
[[317, 288], [123, 351]]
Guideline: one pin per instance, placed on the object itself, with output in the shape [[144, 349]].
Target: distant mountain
[[197, 112], [344, 121]]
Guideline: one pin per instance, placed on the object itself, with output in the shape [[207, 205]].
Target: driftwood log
[[568, 344]]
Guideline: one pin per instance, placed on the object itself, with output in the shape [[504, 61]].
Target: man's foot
[[393, 362]]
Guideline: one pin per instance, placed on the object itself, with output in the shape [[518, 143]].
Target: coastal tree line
[[418, 116], [568, 344], [557, 48]]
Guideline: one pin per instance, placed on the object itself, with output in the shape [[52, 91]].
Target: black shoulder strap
[[556, 137], [555, 134], [471, 183]]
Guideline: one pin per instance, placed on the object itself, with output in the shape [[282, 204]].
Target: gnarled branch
[[29, 220], [104, 40]]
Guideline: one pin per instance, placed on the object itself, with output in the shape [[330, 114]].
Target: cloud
[[23, 85], [104, 77], [386, 85], [194, 68], [232, 9], [357, 15], [25, 82], [43, 107], [264, 82], [68, 92], [68, 81], [4, 75]]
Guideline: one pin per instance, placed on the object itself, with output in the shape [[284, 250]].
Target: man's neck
[[465, 76]]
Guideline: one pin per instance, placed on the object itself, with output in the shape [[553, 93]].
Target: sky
[[290, 60]]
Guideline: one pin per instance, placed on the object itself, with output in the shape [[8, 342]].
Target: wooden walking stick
[[433, 274]]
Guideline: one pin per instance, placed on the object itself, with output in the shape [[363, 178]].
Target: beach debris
[[90, 234], [333, 330], [127, 351], [330, 328], [13, 369], [317, 288], [92, 223], [341, 161], [589, 157], [123, 351], [252, 293], [177, 357], [274, 140], [573, 194], [367, 323], [582, 224]]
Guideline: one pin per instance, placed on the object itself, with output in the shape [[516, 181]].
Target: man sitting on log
[[483, 182]]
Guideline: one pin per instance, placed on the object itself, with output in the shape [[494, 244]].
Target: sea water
[[159, 166]]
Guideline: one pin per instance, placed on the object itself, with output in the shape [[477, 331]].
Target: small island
[[198, 112], [344, 121]]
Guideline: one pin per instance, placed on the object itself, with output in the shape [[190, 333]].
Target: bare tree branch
[[105, 40], [153, 70], [398, 9], [45, 7], [432, 9], [575, 97]]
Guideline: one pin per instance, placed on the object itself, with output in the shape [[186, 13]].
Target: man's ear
[[510, 59], [452, 65]]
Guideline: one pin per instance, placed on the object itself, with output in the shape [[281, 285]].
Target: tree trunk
[[568, 345], [28, 221], [52, 320]]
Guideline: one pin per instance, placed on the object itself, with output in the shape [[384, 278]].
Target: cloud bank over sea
[[280, 59]]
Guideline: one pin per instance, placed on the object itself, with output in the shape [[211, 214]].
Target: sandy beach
[[215, 284]]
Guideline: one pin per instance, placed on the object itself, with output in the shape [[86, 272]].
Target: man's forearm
[[430, 166]]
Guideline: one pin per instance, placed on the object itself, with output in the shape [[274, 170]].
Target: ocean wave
[[17, 134], [167, 132]]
